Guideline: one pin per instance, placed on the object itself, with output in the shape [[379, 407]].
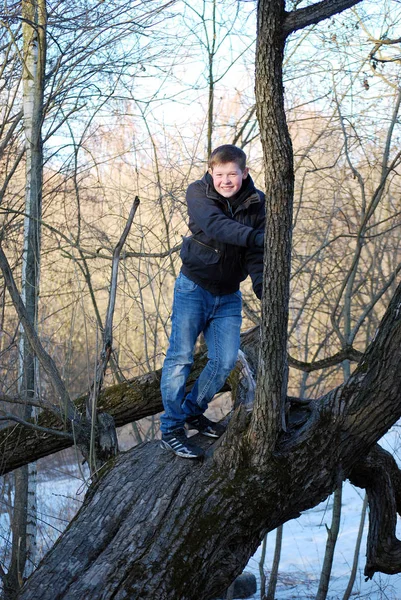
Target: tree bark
[[379, 474], [268, 416]]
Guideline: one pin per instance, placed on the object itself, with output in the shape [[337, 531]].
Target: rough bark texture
[[379, 474], [159, 527], [268, 416]]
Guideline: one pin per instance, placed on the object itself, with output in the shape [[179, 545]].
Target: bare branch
[[114, 274], [19, 400], [311, 15], [91, 404], [68, 409], [101, 252], [345, 354], [10, 132], [10, 417]]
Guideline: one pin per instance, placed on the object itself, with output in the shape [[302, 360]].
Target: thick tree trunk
[[268, 416], [162, 528]]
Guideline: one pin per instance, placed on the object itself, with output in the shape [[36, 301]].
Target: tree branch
[[379, 474], [45, 360], [308, 367], [108, 445], [67, 409], [311, 15], [10, 417]]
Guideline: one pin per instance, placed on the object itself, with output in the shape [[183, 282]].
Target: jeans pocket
[[183, 284]]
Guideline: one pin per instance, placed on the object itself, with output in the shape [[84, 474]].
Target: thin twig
[[45, 359]]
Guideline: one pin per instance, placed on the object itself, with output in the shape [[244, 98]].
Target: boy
[[226, 219]]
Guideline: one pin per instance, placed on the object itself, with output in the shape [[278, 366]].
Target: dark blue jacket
[[221, 252]]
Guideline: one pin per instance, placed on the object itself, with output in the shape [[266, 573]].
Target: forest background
[[134, 97]]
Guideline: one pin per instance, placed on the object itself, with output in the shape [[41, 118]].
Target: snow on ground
[[58, 500], [302, 554], [304, 542]]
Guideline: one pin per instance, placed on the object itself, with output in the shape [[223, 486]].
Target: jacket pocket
[[194, 252]]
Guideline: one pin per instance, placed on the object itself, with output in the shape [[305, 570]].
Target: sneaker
[[205, 426], [177, 442]]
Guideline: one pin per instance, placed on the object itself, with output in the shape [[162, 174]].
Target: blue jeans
[[196, 310]]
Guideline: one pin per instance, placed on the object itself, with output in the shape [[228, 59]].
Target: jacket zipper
[[206, 246], [230, 209]]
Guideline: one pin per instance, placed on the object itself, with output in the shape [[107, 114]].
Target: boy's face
[[228, 178]]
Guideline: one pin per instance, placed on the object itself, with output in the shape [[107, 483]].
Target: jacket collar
[[246, 196]]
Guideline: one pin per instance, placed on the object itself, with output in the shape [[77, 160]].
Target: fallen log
[[126, 402]]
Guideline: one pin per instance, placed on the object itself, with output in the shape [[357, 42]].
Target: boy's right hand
[[256, 239]]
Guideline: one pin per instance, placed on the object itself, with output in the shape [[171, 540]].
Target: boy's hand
[[259, 239], [256, 239]]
